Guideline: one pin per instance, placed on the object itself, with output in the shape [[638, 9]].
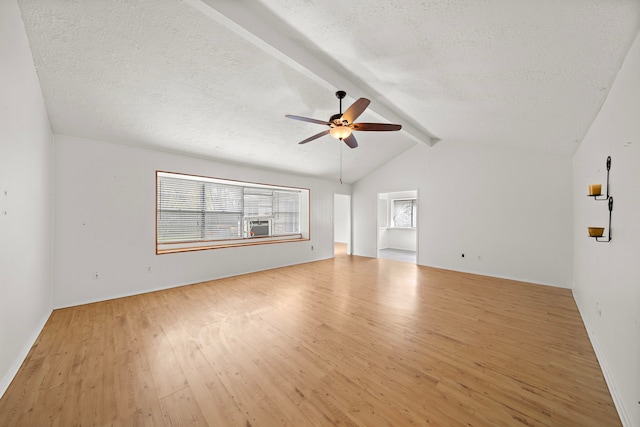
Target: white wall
[[607, 275], [383, 220], [105, 223], [26, 207], [401, 238], [342, 221], [511, 208]]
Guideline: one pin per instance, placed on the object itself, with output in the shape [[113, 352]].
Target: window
[[404, 213], [196, 212]]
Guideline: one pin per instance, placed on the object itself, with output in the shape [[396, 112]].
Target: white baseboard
[[498, 276], [76, 303], [15, 367], [615, 395]]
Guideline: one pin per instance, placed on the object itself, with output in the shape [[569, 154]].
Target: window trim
[[199, 245]]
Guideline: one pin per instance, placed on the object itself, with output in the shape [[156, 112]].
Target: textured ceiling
[[215, 78]]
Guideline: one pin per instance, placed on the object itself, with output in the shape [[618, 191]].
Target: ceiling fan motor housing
[[335, 117]]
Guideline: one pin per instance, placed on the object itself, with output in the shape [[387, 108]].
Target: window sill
[[254, 241]]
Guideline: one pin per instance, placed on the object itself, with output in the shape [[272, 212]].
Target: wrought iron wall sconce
[[601, 238], [595, 192], [595, 189]]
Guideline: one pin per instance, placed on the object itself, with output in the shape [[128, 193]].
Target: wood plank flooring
[[349, 341]]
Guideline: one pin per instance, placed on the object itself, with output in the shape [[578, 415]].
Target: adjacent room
[[266, 213], [398, 225]]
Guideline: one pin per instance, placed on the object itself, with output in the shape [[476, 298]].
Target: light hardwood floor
[[349, 341]]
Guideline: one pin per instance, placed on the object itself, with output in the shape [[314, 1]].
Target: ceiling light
[[340, 132]]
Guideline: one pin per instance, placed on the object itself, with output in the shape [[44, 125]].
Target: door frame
[[384, 216], [347, 213]]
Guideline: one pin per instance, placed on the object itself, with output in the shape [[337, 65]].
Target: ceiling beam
[[257, 24]]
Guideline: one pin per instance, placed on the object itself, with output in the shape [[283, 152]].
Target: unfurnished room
[[318, 213]]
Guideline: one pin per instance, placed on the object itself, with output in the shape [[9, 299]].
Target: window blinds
[[191, 210], [287, 212], [404, 213]]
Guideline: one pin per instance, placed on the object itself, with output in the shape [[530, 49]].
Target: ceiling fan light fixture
[[340, 132], [342, 124]]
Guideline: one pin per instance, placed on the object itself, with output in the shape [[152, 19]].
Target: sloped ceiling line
[[260, 26], [214, 79]]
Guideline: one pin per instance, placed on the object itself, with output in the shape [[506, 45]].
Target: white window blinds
[[404, 213], [258, 202], [190, 210], [193, 209], [286, 212]]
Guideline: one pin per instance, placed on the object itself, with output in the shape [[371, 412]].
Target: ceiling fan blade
[[351, 141], [307, 119], [316, 136], [375, 126], [355, 110]]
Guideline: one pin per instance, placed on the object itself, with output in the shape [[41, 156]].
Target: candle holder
[[596, 232], [595, 190]]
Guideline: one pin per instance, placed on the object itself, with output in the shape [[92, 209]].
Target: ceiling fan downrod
[[340, 95]]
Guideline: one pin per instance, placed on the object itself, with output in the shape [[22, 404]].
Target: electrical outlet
[[149, 269], [96, 276]]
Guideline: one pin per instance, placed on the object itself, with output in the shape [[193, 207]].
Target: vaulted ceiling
[[214, 78]]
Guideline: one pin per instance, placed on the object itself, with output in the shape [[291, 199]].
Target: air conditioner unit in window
[[256, 227]]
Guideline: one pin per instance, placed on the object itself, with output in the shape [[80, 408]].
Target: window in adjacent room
[[194, 212], [404, 213]]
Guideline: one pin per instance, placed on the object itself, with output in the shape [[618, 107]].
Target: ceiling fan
[[341, 125]]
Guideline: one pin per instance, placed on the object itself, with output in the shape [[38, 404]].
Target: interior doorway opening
[[341, 224], [398, 226]]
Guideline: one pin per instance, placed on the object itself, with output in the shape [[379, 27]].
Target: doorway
[[398, 226], [341, 224]]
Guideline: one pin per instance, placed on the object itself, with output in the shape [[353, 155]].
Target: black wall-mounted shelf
[[606, 238], [600, 196], [609, 198]]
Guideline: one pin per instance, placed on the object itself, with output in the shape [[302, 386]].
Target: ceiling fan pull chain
[[340, 148]]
